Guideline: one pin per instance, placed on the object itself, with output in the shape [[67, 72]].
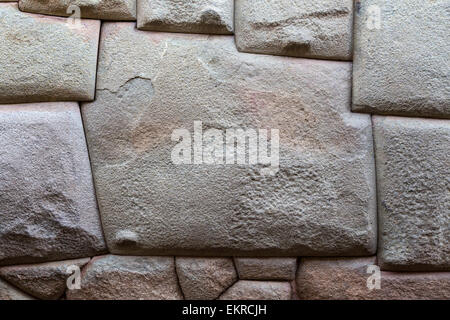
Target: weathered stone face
[[44, 280], [8, 292], [94, 9], [128, 278], [266, 268], [413, 171], [321, 200], [348, 279], [46, 58], [48, 209], [193, 16], [300, 28], [205, 278], [401, 64], [258, 290]]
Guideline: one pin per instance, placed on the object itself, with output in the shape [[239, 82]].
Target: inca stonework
[[220, 149]]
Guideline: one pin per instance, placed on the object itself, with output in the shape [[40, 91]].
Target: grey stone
[[258, 290], [402, 67], [266, 268], [126, 277], [45, 280], [194, 16], [413, 174], [48, 209], [205, 278], [94, 9], [8, 292], [321, 201], [300, 28], [46, 58]]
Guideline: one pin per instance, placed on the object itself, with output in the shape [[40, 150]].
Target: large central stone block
[[320, 201]]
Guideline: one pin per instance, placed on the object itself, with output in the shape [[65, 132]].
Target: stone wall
[[93, 95]]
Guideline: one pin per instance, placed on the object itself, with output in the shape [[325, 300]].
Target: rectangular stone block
[[46, 58], [359, 279], [93, 9], [48, 209], [319, 200], [193, 16], [266, 268], [413, 172], [401, 61], [300, 28]]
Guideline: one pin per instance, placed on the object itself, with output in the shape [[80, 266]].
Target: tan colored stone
[[413, 174], [8, 292], [113, 277], [48, 209], [401, 58], [193, 16], [348, 278], [46, 58], [300, 28], [258, 290], [205, 278], [44, 281], [320, 202], [93, 9], [266, 268]]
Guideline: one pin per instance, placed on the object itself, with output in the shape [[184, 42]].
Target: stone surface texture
[[320, 202], [94, 9], [258, 290], [301, 28], [8, 292], [46, 58], [205, 278], [347, 278], [193, 16], [266, 268], [44, 281], [48, 209], [413, 174], [113, 277], [401, 64]]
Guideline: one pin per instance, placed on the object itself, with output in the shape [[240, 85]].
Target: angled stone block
[[258, 290], [128, 278], [413, 172], [356, 279], [93, 9], [44, 280], [8, 292], [48, 209], [300, 28], [205, 278], [401, 64], [46, 58], [193, 16], [266, 268], [320, 200]]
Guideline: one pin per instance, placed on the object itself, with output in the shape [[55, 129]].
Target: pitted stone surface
[[8, 292], [413, 172], [301, 28], [348, 279], [193, 16], [94, 9], [128, 278], [205, 278], [401, 64], [266, 268], [320, 202], [258, 290], [45, 280], [48, 209], [46, 58]]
